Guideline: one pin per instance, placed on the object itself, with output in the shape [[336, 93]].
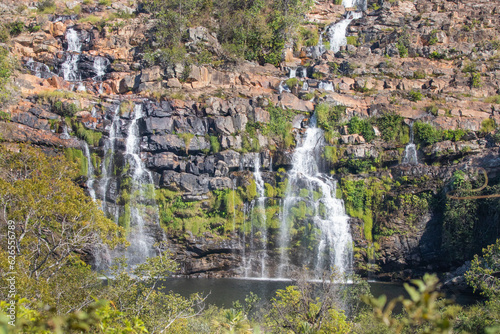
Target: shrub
[[393, 128], [415, 96], [493, 99], [432, 109], [419, 74], [46, 7], [425, 133], [104, 2], [402, 49], [362, 127], [475, 80], [214, 144], [488, 125], [4, 34], [15, 28], [292, 82]]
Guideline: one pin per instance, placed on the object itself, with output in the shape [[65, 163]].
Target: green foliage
[[329, 116], [104, 2], [280, 125], [361, 126], [90, 136], [363, 198], [4, 34], [421, 309], [475, 80], [76, 156], [310, 37], [214, 144], [300, 310], [254, 31], [292, 82], [393, 128], [483, 273], [415, 96], [432, 109], [186, 137], [488, 125], [419, 74], [493, 99], [425, 133], [6, 68], [16, 28], [37, 193], [433, 37], [46, 7]]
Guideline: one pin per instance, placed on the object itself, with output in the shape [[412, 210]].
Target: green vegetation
[[493, 99], [393, 128], [6, 68], [361, 126], [329, 119], [488, 125], [475, 80], [64, 109], [90, 136], [214, 144], [76, 156], [280, 125], [254, 31], [363, 199], [46, 7], [425, 133], [415, 96]]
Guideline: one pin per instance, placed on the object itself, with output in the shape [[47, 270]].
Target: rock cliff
[[80, 73]]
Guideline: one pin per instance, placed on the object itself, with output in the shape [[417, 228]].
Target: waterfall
[[410, 156], [283, 88], [261, 208], [109, 153], [143, 209], [326, 85], [90, 171], [100, 65], [310, 190], [39, 69], [359, 4], [293, 73], [69, 68], [337, 32], [65, 134]]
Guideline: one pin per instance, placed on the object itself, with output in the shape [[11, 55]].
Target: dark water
[[224, 291]]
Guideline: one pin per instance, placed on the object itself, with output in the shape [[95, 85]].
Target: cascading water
[[255, 262], [90, 171], [39, 69], [311, 191], [100, 65], [69, 68], [292, 73], [358, 4], [261, 209], [142, 205], [109, 153], [410, 156], [337, 32], [283, 88], [326, 85]]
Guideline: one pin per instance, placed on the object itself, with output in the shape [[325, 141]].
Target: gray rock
[[230, 157]]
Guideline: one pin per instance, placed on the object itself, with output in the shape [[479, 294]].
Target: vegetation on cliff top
[[255, 30]]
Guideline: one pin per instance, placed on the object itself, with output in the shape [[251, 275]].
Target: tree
[[139, 293], [308, 308], [484, 273], [51, 226], [421, 310]]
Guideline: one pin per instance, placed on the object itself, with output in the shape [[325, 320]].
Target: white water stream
[[328, 214]]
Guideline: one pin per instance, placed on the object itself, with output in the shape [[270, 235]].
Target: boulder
[[230, 157], [224, 125]]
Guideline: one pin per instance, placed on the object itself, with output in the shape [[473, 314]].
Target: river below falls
[[224, 291]]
